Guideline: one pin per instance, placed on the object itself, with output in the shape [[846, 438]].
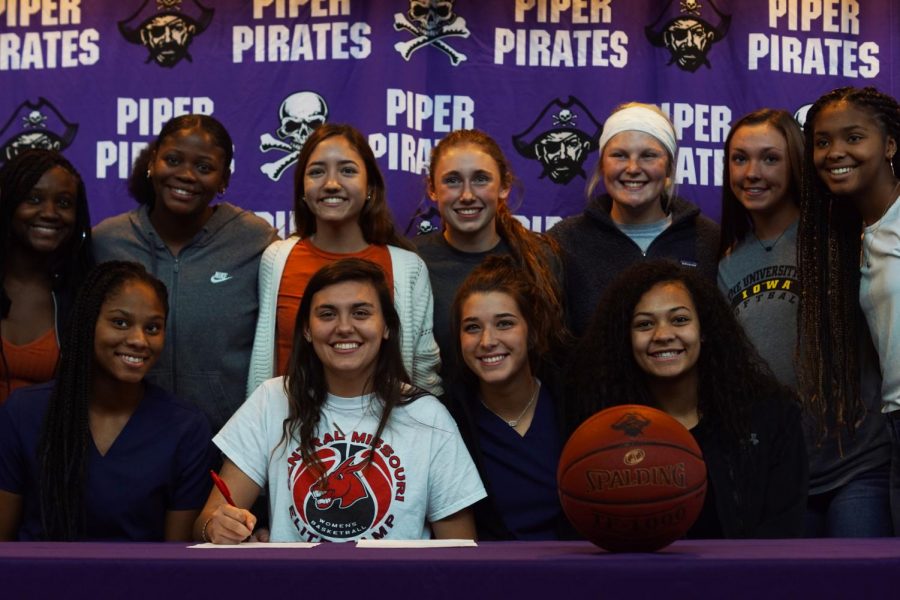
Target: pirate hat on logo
[[689, 9], [35, 121], [189, 10], [560, 116]]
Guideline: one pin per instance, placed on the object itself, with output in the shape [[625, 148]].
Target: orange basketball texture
[[632, 479]]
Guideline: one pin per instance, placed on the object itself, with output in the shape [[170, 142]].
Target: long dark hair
[[534, 252], [304, 382], [731, 374], [547, 335], [828, 251], [139, 184], [736, 220], [375, 219], [65, 438], [73, 260]]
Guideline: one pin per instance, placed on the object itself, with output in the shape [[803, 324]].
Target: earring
[[891, 164], [368, 196], [149, 174], [222, 192], [307, 337]]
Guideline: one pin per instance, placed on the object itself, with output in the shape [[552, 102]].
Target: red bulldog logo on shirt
[[353, 498]]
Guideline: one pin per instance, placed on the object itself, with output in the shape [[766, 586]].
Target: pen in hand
[[223, 488]]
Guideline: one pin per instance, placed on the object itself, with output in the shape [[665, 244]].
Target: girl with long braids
[[206, 252], [664, 336], [341, 211], [470, 180], [98, 453], [349, 448], [45, 254], [848, 263]]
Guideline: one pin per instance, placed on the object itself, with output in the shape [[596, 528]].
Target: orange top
[[303, 262], [28, 364]]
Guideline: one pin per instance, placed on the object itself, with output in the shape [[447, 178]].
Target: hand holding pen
[[228, 524]]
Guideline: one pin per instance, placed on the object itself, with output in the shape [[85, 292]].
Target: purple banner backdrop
[[98, 78]]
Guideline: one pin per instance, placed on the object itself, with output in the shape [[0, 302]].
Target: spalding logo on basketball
[[632, 479]]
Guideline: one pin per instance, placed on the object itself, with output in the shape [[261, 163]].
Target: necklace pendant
[[512, 423]]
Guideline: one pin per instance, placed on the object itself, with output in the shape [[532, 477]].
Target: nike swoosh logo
[[219, 277]]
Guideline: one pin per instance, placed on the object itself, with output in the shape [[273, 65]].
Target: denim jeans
[[894, 427], [859, 508]]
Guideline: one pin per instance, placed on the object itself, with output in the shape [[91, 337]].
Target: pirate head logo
[[38, 125], [560, 139], [800, 114], [351, 498], [166, 28], [430, 21], [687, 36], [631, 424], [299, 115]]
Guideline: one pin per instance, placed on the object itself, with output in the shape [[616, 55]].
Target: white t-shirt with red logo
[[421, 471]]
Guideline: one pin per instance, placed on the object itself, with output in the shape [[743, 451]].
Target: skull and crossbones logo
[[430, 21], [300, 114], [565, 117], [690, 7], [34, 119]]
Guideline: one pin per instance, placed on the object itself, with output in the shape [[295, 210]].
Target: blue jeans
[[894, 427], [859, 508]]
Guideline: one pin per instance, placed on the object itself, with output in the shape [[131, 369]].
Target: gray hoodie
[[212, 301]]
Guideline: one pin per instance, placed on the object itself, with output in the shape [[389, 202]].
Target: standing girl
[[207, 255], [99, 454], [470, 181], [349, 448], [847, 253], [45, 254], [757, 254], [341, 211], [639, 216]]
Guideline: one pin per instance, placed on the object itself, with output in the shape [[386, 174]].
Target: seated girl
[[348, 447], [98, 454], [665, 337], [512, 422]]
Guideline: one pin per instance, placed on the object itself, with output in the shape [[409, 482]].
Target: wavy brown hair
[[548, 337], [375, 218]]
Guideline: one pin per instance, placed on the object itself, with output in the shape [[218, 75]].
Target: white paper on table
[[251, 545], [416, 544]]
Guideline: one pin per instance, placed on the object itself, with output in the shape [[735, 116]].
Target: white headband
[[645, 120]]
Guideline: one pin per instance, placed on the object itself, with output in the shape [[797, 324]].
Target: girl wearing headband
[[639, 216]]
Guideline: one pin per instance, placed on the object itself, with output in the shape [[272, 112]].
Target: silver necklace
[[515, 422], [865, 250]]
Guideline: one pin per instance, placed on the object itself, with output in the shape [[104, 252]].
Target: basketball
[[632, 479]]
